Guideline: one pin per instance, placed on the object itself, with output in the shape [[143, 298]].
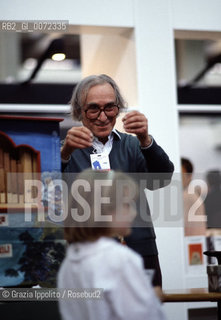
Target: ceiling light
[[58, 57]]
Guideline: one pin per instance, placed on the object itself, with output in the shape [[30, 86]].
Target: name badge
[[100, 161]]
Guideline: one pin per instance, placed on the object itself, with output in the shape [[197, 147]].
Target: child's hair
[[96, 197]]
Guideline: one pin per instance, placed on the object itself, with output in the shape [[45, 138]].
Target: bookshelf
[[17, 163]]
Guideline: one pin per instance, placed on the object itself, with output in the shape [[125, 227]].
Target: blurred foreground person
[[95, 260], [213, 200], [194, 217]]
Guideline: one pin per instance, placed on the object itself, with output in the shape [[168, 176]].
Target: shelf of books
[[17, 164]]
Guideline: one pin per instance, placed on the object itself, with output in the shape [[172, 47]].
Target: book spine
[[8, 183], [14, 181]]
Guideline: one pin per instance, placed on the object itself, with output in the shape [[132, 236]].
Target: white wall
[[84, 12], [196, 15], [157, 99]]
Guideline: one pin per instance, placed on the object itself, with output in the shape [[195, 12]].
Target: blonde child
[[101, 207]]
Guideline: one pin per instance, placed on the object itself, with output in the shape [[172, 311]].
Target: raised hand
[[76, 138], [136, 123]]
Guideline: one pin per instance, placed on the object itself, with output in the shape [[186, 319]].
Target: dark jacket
[[127, 156]]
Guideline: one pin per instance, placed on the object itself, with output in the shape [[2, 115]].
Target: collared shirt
[[99, 147], [118, 271]]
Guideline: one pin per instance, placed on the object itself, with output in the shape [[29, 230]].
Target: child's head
[[101, 203]]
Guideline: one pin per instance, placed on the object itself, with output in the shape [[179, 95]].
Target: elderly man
[[97, 101]]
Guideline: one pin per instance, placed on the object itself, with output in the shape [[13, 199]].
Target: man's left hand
[[136, 123]]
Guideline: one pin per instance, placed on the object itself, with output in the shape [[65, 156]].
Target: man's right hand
[[76, 138]]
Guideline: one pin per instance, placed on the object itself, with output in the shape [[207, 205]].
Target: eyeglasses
[[93, 111]]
